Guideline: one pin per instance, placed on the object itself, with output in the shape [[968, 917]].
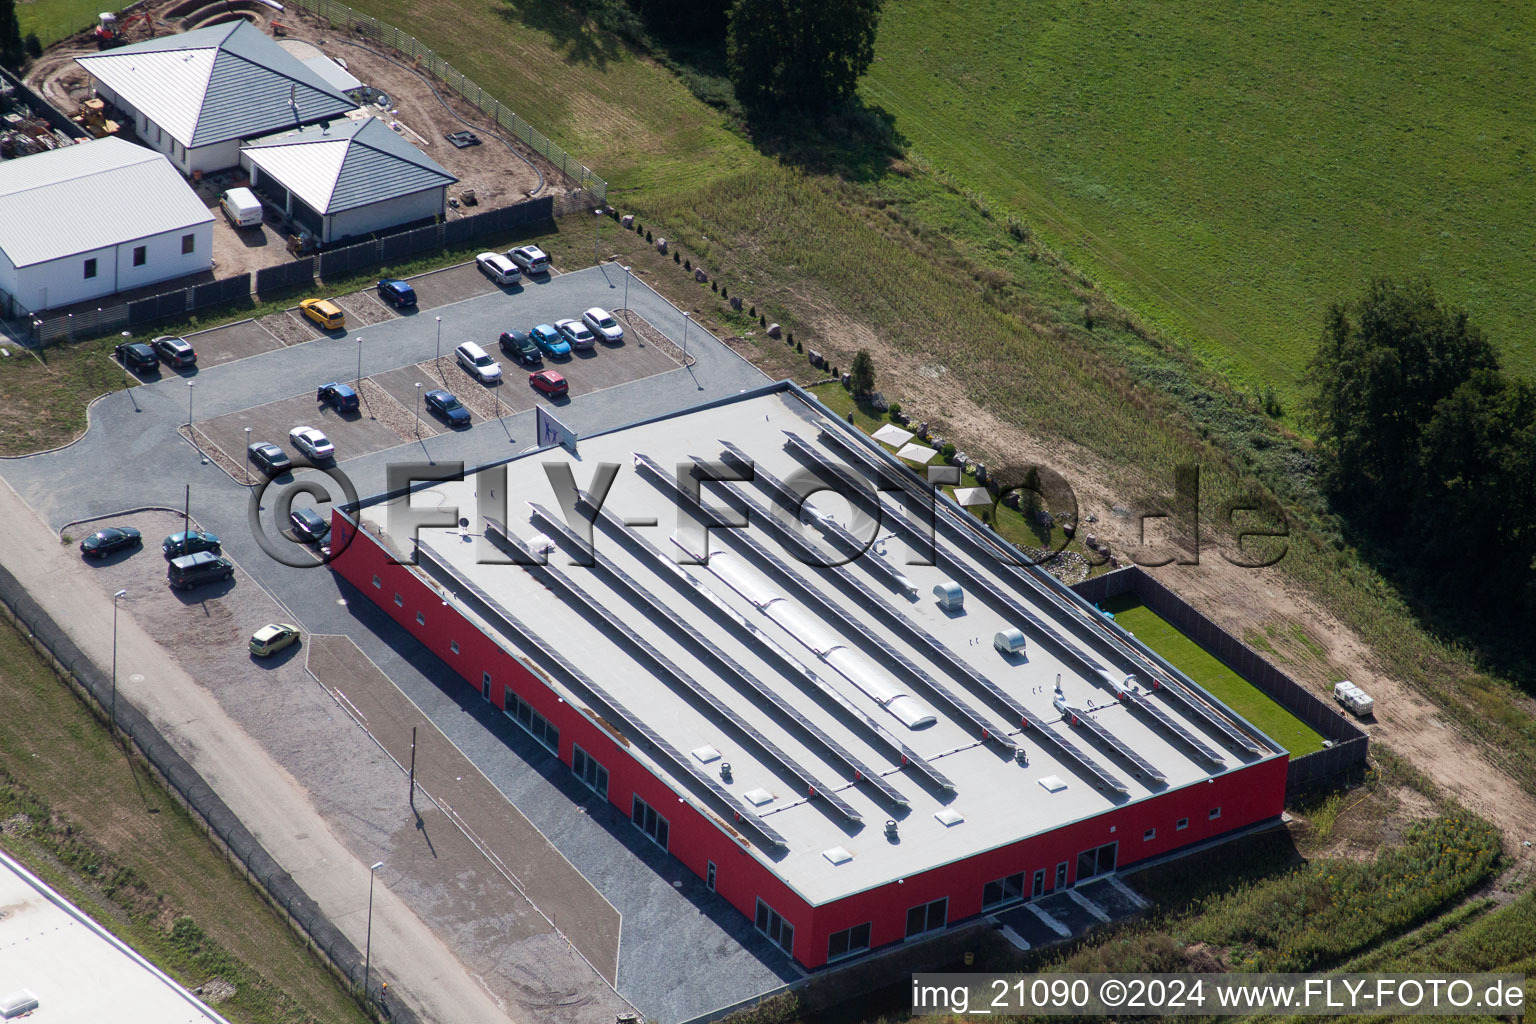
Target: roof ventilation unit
[[951, 598], [17, 1003], [890, 829], [1009, 641]]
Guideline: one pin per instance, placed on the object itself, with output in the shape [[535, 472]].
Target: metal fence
[[166, 305], [222, 827], [285, 275], [1350, 743], [391, 248], [411, 49]]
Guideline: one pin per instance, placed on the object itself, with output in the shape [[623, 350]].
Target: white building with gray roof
[[94, 219], [347, 178], [197, 95]]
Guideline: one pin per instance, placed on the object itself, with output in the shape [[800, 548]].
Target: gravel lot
[[289, 328], [363, 309], [382, 406], [637, 325]]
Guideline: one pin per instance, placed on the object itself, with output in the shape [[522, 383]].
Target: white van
[[242, 207]]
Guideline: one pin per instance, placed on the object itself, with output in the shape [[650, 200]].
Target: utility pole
[[113, 713], [368, 942], [186, 513], [413, 767]]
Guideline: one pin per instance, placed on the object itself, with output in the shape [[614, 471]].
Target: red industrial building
[[853, 736]]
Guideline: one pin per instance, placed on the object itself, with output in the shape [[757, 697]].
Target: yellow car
[[325, 313], [268, 640]]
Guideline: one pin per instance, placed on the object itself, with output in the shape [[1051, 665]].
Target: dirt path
[[265, 797], [1312, 645]]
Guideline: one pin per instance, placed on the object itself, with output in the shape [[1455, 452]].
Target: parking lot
[[353, 434], [455, 284]]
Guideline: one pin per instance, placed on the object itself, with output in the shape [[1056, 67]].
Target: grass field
[[98, 827], [52, 20], [1230, 169], [1212, 673]]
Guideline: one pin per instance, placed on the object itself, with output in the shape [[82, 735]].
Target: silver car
[[602, 324], [575, 332]]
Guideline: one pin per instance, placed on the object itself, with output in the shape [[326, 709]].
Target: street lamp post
[[113, 712], [687, 319], [191, 384], [626, 295], [418, 408], [359, 362], [597, 234], [436, 360], [247, 456], [368, 942]]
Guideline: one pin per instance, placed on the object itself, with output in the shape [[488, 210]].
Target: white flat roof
[[804, 677], [77, 970]]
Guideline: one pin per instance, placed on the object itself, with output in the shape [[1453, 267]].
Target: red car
[[550, 382]]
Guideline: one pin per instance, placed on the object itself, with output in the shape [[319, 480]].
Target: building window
[[377, 583], [1149, 835], [1181, 825], [648, 821], [927, 917], [1039, 889], [848, 942], [593, 774], [1004, 890], [188, 244], [140, 255], [421, 619], [90, 268], [1101, 860], [453, 645], [1061, 875], [709, 877], [535, 724], [399, 601], [1215, 813], [779, 931]]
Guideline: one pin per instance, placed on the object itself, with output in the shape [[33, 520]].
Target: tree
[[800, 56], [861, 376], [1384, 363], [11, 51]]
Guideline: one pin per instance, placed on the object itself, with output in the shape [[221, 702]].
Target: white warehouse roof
[[215, 84], [77, 970], [90, 196], [341, 166], [845, 693]]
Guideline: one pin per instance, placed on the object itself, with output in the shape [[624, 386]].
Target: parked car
[[601, 323], [520, 347], [575, 332], [477, 363], [340, 397], [138, 357], [242, 207], [530, 258], [312, 443], [551, 382], [308, 525], [271, 638], [397, 293], [325, 313], [189, 542], [498, 268], [448, 407], [550, 341], [269, 458], [190, 571], [113, 538], [177, 352], [1355, 700]]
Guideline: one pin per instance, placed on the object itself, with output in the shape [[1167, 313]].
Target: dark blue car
[[397, 293], [448, 407], [340, 397]]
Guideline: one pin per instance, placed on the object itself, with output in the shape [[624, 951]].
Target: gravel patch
[[364, 309], [287, 328], [638, 325], [380, 405], [227, 461]]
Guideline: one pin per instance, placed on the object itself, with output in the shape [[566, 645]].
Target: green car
[[270, 639]]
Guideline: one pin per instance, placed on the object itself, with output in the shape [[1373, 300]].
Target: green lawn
[[1230, 169], [52, 20], [1210, 672]]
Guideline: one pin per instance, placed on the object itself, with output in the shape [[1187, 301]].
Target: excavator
[[112, 31]]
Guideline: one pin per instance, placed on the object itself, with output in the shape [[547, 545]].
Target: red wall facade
[[696, 838]]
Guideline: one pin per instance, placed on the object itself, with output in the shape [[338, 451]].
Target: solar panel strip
[[1146, 707], [589, 691], [727, 665], [874, 732], [1084, 720], [811, 597]]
